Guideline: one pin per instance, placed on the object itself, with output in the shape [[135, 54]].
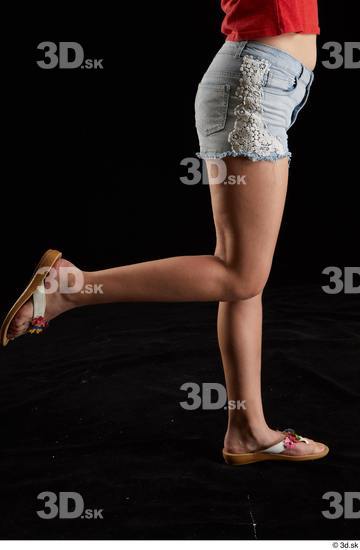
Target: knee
[[246, 291], [244, 286]]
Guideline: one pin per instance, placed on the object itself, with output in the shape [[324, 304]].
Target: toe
[[319, 447], [17, 324], [21, 321], [313, 448]]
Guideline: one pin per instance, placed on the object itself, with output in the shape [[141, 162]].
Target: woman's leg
[[247, 219], [221, 277], [183, 278]]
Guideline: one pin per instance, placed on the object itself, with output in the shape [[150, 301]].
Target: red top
[[251, 19]]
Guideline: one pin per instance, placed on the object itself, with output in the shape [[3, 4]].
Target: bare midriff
[[301, 46]]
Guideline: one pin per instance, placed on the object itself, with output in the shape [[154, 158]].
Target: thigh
[[248, 212]]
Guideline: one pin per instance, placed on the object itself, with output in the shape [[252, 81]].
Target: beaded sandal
[[35, 290], [275, 452]]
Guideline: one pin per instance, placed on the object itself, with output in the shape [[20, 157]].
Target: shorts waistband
[[276, 56]]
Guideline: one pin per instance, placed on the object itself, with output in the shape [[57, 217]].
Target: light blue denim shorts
[[247, 100]]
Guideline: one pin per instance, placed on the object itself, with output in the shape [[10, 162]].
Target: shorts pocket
[[211, 107], [279, 81]]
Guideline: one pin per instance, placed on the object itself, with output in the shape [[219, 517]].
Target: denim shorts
[[247, 100]]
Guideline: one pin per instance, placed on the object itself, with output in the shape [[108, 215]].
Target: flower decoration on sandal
[[292, 438], [37, 325]]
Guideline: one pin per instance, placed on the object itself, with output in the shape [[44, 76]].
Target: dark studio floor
[[93, 407]]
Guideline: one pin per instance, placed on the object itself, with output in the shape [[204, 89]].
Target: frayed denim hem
[[252, 156]]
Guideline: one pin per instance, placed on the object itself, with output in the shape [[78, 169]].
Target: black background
[[101, 150], [91, 166]]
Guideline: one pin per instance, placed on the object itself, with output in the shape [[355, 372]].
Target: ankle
[[79, 289], [248, 429], [248, 438]]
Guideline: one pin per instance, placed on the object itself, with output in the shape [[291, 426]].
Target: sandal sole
[[234, 459]]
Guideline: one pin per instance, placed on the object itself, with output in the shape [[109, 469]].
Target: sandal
[[275, 451], [35, 290]]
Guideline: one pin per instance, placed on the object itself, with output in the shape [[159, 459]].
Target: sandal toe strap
[[38, 322], [291, 439]]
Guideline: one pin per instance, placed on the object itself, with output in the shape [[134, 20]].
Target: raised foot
[[57, 302]]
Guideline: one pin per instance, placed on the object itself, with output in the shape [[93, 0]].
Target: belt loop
[[241, 46]]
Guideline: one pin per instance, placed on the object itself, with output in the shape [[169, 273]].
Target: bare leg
[[178, 279], [247, 219], [183, 278]]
